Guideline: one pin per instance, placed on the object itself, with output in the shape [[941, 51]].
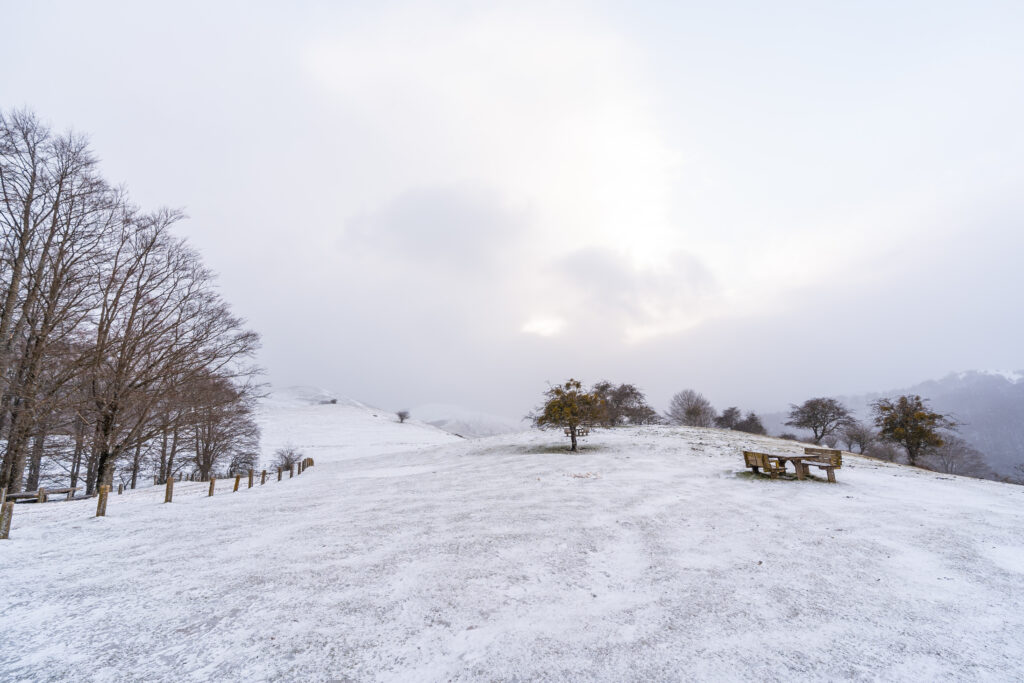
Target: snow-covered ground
[[408, 554]]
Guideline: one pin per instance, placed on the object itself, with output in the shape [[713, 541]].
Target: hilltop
[[407, 553]]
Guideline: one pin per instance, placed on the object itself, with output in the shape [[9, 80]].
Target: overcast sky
[[456, 203]]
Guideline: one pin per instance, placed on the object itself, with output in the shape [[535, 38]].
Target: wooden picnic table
[[827, 459]]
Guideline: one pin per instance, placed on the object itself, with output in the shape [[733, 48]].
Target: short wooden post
[[101, 502], [238, 478], [291, 470], [156, 480], [6, 512], [279, 474], [263, 478], [120, 489], [41, 495], [3, 495], [213, 481], [250, 478], [169, 491]]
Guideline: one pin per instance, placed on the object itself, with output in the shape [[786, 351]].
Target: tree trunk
[[136, 463], [572, 435], [76, 458], [13, 474], [35, 462]]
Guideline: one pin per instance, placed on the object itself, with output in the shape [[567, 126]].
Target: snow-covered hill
[[328, 427], [408, 554]]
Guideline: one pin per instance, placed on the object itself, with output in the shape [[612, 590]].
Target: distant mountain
[[988, 404], [466, 422]]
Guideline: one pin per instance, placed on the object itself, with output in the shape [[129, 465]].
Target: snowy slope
[[304, 418], [650, 556]]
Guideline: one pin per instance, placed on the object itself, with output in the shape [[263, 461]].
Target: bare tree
[[223, 426], [691, 409], [884, 450], [53, 210], [956, 456], [823, 416], [104, 318], [161, 325], [402, 415], [858, 436], [287, 456]]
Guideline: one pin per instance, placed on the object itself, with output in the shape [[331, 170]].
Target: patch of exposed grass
[[540, 449]]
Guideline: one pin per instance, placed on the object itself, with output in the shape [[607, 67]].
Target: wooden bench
[[580, 431], [828, 459], [43, 494], [771, 464]]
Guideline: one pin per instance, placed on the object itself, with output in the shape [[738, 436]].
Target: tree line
[[903, 427], [116, 350], [570, 407]]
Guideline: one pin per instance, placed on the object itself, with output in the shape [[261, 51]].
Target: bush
[[286, 457]]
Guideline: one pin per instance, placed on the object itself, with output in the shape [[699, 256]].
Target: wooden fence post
[[291, 470], [279, 474], [101, 502], [213, 480], [250, 478], [156, 480], [169, 491], [6, 512], [238, 478], [3, 495], [41, 495], [263, 478], [120, 489]]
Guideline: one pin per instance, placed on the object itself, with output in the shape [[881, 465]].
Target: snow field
[[407, 554]]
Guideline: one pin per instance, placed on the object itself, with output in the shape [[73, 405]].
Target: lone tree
[[403, 415], [822, 416], [907, 421], [689, 408], [570, 408]]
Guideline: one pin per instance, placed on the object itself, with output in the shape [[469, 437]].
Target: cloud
[[639, 301], [457, 229]]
